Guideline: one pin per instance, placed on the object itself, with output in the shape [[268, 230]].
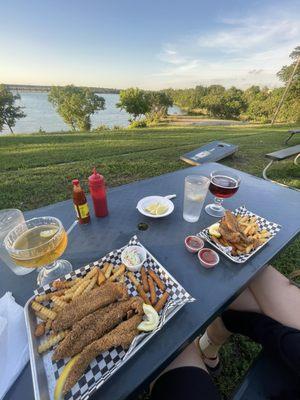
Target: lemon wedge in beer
[[58, 391], [152, 319], [48, 233], [214, 230]]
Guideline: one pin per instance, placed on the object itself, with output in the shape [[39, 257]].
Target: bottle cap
[[75, 182], [96, 178]]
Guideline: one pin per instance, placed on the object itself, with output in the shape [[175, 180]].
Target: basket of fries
[[67, 353], [240, 234]]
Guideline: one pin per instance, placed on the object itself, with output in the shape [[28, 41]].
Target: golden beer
[[45, 244]]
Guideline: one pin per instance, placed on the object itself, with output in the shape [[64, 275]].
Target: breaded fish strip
[[95, 325], [122, 335], [88, 303]]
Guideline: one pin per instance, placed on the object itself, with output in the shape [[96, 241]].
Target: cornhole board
[[210, 152]]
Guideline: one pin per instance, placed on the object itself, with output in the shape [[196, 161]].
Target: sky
[[151, 44]]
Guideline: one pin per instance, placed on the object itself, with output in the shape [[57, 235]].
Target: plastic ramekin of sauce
[[193, 244], [208, 257]]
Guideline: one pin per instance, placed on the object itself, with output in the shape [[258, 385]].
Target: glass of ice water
[[195, 190], [10, 218]]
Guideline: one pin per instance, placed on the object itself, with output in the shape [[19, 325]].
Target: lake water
[[40, 114]]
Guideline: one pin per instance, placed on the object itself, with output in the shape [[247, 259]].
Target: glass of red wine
[[223, 184]]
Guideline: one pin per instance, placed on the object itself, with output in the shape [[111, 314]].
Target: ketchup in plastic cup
[[193, 244], [208, 257]]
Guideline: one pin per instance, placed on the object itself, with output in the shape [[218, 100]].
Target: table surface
[[213, 289]]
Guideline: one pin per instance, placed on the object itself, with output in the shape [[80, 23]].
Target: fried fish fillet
[[122, 335], [230, 220], [88, 303], [231, 230], [95, 325]]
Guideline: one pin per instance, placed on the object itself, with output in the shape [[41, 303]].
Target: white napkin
[[13, 342]]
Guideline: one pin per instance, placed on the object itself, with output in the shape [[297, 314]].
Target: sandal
[[213, 364]]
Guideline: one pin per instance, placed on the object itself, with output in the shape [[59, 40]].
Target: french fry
[[64, 284], [45, 297], [40, 316], [248, 248], [152, 290], [48, 325], [118, 272], [70, 292], [92, 283], [139, 287], [84, 284], [121, 279], [108, 271], [101, 277], [91, 273], [133, 279], [59, 302], [157, 280], [105, 266], [247, 229], [144, 279], [143, 295], [161, 302], [44, 311], [240, 247], [51, 341]]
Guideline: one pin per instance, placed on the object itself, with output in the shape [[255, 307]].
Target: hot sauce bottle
[[80, 203], [98, 193]]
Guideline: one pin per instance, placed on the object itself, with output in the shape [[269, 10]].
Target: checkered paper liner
[[107, 363], [263, 223]]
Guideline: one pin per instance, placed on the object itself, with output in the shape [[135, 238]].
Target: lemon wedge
[[152, 208], [156, 209], [214, 230], [58, 391], [152, 319], [161, 209], [48, 233]]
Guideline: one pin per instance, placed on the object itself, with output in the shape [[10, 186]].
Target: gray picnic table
[[213, 289]]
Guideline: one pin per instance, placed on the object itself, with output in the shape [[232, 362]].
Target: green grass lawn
[[37, 170]]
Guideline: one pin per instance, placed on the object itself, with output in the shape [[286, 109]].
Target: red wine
[[223, 186]]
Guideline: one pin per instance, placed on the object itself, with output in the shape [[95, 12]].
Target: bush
[[142, 123], [101, 128]]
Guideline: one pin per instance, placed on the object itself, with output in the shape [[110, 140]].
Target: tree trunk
[[6, 123]]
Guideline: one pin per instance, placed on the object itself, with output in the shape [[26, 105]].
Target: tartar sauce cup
[[193, 243], [208, 257]]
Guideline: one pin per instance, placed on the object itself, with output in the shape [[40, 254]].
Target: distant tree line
[[76, 105], [253, 104]]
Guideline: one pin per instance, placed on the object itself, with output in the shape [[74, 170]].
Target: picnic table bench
[[280, 155], [292, 133], [267, 379], [213, 289]]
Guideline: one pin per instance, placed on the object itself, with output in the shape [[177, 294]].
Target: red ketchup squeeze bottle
[[98, 194]]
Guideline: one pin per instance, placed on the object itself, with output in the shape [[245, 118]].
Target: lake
[[40, 114]]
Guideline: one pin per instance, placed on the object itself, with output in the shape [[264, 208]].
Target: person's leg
[[245, 302], [185, 378], [216, 334], [277, 297], [189, 357]]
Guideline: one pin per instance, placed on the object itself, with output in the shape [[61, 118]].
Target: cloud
[[240, 51]]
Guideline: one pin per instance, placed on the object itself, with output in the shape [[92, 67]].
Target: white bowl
[[146, 201], [142, 254]]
